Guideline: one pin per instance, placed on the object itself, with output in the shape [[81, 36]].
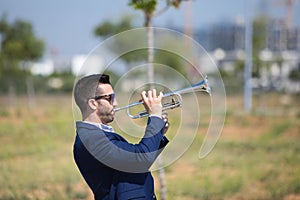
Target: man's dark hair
[[86, 88]]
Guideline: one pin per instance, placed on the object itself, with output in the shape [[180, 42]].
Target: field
[[256, 157]]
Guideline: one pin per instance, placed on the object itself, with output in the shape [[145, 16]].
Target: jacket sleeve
[[115, 152]]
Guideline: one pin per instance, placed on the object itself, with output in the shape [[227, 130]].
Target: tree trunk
[[11, 94], [30, 93], [150, 38], [29, 85]]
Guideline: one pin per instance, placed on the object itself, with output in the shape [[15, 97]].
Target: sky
[[67, 26]]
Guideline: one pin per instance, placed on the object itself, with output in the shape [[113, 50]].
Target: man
[[112, 167]]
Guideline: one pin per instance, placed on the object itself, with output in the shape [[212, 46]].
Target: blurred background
[[255, 45]]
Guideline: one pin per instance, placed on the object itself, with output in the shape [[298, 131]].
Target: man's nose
[[115, 103]]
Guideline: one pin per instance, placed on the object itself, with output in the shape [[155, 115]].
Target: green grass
[[36, 153], [256, 157]]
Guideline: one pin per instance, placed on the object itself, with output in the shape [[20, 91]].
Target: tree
[[149, 9], [19, 46], [109, 28]]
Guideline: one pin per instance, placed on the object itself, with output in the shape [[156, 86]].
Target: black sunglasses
[[109, 97]]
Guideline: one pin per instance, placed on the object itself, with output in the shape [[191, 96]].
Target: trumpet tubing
[[174, 99]]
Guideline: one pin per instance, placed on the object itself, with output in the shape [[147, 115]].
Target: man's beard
[[106, 116]]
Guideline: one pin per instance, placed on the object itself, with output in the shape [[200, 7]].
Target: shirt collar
[[103, 127]]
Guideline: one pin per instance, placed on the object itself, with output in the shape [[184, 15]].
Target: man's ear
[[92, 104]]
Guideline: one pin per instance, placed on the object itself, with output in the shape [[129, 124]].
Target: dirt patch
[[292, 197]]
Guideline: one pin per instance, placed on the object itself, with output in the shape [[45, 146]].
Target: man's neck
[[93, 119]]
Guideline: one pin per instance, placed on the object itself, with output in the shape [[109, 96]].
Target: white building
[[44, 68], [86, 64]]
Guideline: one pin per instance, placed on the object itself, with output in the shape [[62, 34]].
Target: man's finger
[[150, 96], [144, 95], [160, 95], [154, 93]]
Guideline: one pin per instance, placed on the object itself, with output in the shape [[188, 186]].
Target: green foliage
[[19, 42], [258, 43], [259, 33], [172, 60], [295, 74], [120, 45], [176, 3], [19, 46], [148, 6], [108, 28]]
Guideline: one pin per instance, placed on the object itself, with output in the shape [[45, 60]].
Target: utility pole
[[188, 30], [289, 12], [248, 59]]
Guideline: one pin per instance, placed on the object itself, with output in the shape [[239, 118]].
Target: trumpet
[[174, 99]]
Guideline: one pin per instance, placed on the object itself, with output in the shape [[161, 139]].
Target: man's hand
[[152, 103]]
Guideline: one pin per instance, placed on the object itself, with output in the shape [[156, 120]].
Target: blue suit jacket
[[114, 168]]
